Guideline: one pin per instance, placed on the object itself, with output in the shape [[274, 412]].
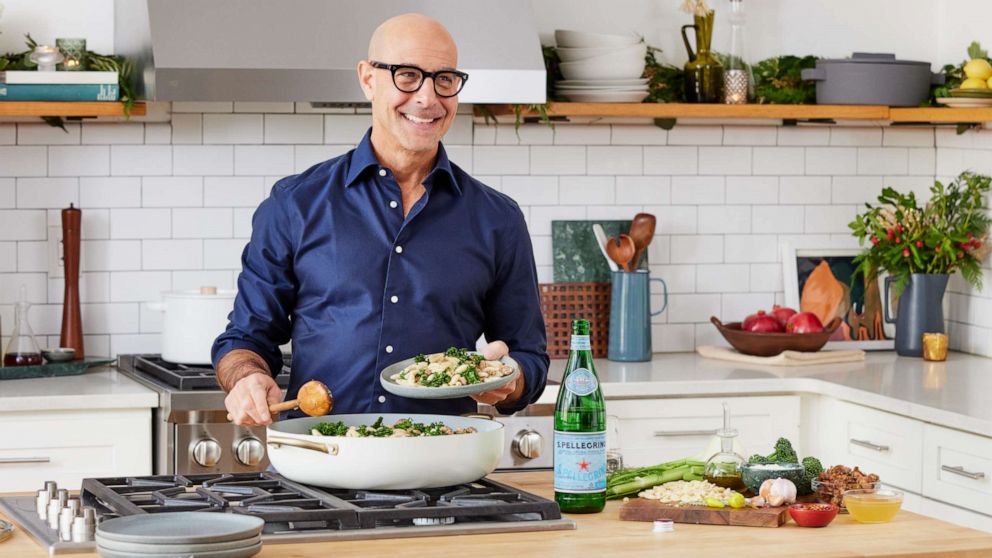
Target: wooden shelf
[[754, 112], [78, 109]]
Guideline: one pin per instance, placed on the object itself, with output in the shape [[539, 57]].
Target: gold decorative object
[[934, 346], [73, 50]]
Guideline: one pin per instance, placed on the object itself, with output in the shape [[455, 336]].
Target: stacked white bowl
[[601, 67]]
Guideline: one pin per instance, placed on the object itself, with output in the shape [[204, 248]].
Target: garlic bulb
[[778, 492]]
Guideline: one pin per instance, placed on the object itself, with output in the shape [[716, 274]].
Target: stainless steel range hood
[[307, 50]]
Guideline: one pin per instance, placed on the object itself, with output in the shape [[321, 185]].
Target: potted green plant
[[921, 246]]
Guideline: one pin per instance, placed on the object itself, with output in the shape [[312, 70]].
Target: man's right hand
[[248, 403]]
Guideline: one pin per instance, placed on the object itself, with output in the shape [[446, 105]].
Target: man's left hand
[[505, 394]]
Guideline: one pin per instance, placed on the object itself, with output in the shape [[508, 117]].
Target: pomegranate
[[804, 322], [782, 314], [761, 323]]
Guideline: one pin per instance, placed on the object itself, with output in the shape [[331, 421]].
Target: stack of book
[[58, 86]]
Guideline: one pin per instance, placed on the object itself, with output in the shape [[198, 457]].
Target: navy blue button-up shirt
[[333, 265]]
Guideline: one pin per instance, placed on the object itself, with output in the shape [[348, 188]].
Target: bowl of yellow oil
[[873, 505]]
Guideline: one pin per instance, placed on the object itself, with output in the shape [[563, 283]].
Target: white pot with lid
[[192, 321]]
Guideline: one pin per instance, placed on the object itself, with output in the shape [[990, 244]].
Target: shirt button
[[382, 172], [393, 204], [394, 299], [389, 348], [399, 249], [382, 399]]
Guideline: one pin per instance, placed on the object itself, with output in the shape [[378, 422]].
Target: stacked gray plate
[[180, 534]]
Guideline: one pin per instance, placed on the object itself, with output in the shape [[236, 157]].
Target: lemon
[[978, 68], [974, 83]]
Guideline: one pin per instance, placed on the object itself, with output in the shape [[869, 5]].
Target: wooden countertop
[[603, 534]]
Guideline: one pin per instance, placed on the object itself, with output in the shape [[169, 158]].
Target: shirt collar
[[364, 157]]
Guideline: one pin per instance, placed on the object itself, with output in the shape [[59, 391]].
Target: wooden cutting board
[[642, 509]]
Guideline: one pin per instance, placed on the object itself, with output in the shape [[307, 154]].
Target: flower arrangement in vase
[[703, 72]]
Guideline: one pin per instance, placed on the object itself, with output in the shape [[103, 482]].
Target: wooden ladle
[[642, 232], [314, 399], [621, 249]]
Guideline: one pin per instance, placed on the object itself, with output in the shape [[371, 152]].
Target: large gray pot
[[872, 79], [920, 310]]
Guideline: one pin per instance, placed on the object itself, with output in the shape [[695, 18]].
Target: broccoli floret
[[757, 458], [420, 358], [811, 469], [784, 452]]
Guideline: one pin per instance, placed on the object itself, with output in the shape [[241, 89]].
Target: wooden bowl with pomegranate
[[771, 344]]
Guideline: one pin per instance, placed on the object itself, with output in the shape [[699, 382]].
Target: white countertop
[[956, 393], [99, 388]]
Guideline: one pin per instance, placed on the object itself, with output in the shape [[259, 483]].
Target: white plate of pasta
[[449, 375]]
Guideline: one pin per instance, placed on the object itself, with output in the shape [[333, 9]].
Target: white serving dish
[[603, 68], [585, 39], [605, 96], [576, 54]]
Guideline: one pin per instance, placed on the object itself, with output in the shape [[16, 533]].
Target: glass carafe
[[738, 80], [703, 72], [724, 468], [22, 350]]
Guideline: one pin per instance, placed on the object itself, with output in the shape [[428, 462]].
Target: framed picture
[[819, 281]]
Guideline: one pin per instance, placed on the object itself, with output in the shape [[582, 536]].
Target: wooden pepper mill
[[72, 326]]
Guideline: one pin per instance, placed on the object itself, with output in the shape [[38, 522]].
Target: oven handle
[[279, 441]]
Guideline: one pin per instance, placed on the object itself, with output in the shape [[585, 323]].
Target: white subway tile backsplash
[[722, 278], [139, 286], [346, 128], [585, 190], [730, 219], [218, 160], [643, 189], [883, 160], [542, 250], [737, 306], [750, 135], [829, 218], [232, 128], [796, 190], [831, 160], [724, 160], [779, 160], [158, 133], [140, 223], [777, 219], [695, 135], [615, 212], [525, 134], [43, 134], [24, 161], [96, 224], [615, 160], [8, 134], [135, 343], [202, 106], [643, 134], [674, 219], [172, 191], [119, 132], [462, 156], [193, 280], [150, 321], [32, 256], [580, 134], [503, 159], [678, 278], [79, 160], [922, 160], [261, 159], [701, 190], [109, 191], [23, 224], [93, 287], [460, 132], [672, 338], [706, 334], [855, 189], [867, 137], [270, 107], [908, 137], [752, 189], [697, 249], [743, 248], [35, 288], [40, 193], [109, 318], [233, 191], [692, 308], [671, 160], [187, 129], [242, 221], [541, 217], [306, 156], [294, 128], [803, 135], [8, 257], [485, 134], [202, 223], [766, 278], [8, 193], [141, 160], [560, 160], [171, 254], [223, 253]]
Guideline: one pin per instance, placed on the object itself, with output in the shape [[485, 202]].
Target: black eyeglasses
[[409, 79]]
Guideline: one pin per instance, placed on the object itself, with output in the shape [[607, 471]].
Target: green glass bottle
[[580, 431]]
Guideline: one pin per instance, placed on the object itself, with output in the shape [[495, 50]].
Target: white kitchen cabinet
[[67, 446], [653, 431], [877, 442], [957, 467]]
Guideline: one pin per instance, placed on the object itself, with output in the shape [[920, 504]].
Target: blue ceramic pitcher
[[630, 316]]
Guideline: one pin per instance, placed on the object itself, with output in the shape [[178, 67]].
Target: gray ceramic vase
[[920, 310]]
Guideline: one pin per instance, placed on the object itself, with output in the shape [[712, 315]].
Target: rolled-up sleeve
[[513, 310], [267, 287]]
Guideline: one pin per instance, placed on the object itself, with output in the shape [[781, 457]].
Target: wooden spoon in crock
[[642, 232], [621, 249]]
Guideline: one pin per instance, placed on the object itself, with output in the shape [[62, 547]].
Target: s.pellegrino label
[[580, 431]]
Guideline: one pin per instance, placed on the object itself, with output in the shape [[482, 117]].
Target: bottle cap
[[663, 525]]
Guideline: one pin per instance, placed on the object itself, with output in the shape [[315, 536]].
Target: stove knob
[[250, 451], [527, 444], [206, 453]]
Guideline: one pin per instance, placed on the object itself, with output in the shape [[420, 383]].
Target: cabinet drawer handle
[[4, 460], [869, 445], [673, 433], [959, 470]]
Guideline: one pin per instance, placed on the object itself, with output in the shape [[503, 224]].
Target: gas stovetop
[[295, 512], [187, 377]]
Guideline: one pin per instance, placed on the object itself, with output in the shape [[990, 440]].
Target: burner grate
[[187, 377]]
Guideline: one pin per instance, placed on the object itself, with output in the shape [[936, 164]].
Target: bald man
[[386, 252]]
